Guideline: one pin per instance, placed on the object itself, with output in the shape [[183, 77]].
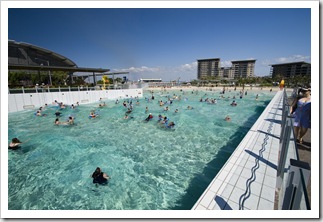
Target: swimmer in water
[[57, 122], [99, 176], [127, 117], [58, 114], [15, 143], [161, 103], [101, 105], [227, 118], [71, 120], [233, 103], [93, 115], [170, 125], [150, 116], [164, 121], [38, 113]]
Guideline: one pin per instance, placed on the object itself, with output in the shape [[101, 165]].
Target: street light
[[50, 77]]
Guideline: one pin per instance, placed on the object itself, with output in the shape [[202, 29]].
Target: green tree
[[79, 81], [224, 81], [118, 80], [59, 78]]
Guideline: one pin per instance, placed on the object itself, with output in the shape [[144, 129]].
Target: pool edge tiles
[[224, 192]]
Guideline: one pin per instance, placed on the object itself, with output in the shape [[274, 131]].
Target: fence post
[[283, 151], [23, 90], [284, 115], [296, 184], [283, 123]]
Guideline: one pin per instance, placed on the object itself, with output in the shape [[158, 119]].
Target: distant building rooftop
[[250, 60], [289, 63]]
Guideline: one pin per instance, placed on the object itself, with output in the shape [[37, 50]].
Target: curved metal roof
[[43, 51]]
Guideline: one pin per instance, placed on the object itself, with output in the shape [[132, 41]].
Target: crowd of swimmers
[[98, 176], [60, 106], [128, 104]]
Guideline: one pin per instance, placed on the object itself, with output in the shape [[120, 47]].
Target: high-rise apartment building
[[208, 68], [243, 68], [226, 73], [211, 68], [290, 69]]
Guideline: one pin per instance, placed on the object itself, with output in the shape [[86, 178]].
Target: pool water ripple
[[150, 167]]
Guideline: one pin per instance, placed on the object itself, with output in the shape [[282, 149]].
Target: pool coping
[[247, 181]]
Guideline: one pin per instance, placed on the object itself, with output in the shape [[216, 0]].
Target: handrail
[[296, 179]]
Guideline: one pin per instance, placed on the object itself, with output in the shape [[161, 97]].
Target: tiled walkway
[[248, 179]]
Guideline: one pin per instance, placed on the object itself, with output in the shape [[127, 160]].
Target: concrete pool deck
[[248, 179]]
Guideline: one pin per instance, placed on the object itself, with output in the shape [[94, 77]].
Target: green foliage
[[224, 81], [59, 78], [295, 81], [118, 80]]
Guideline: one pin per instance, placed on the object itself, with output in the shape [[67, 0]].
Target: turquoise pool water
[[150, 167]]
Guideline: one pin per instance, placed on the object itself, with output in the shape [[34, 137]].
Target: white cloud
[[185, 71], [266, 62], [226, 63], [138, 69], [187, 67], [293, 58]]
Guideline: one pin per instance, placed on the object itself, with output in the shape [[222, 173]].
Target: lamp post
[[50, 77]]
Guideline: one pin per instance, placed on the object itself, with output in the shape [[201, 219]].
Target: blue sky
[[166, 42]]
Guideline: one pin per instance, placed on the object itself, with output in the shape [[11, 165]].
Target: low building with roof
[[34, 59], [291, 69]]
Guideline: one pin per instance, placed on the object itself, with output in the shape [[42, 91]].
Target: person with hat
[[150, 116], [301, 111]]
